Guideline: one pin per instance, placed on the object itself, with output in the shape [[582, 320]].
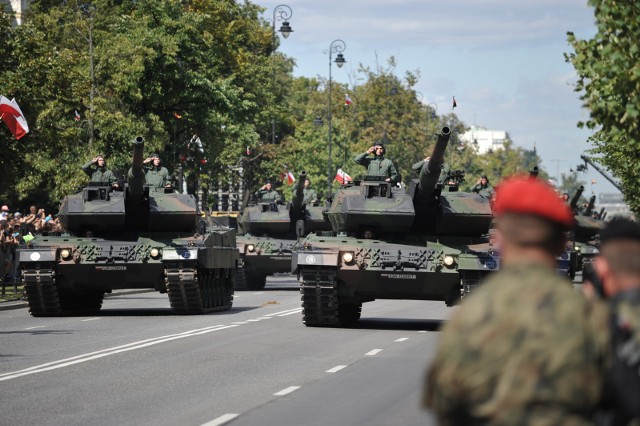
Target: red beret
[[528, 195]]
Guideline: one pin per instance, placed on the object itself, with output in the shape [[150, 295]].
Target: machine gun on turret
[[574, 200]]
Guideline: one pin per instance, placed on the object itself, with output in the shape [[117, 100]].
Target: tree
[[609, 83]]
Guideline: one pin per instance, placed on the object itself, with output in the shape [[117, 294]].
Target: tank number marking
[[310, 259], [399, 276], [111, 268]]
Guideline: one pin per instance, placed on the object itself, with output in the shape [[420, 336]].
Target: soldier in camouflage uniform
[[100, 173], [523, 349], [483, 188], [156, 176], [378, 165], [266, 194], [617, 278], [309, 195]]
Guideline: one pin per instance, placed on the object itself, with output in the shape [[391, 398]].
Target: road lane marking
[[287, 390], [259, 292], [90, 319], [373, 352], [54, 365], [221, 420], [253, 320], [422, 331], [284, 312], [263, 318], [336, 369], [239, 323], [297, 311], [402, 339], [33, 328]]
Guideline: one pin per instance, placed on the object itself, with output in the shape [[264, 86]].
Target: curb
[[18, 304]]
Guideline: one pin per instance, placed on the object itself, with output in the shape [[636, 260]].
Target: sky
[[503, 60]]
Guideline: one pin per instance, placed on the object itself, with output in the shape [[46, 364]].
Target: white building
[[485, 140], [15, 8]]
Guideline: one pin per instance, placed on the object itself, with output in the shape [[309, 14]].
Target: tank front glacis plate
[[265, 255], [370, 269]]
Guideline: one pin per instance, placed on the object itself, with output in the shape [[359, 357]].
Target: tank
[[135, 238], [426, 242], [584, 236], [267, 234]]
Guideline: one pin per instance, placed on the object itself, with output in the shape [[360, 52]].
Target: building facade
[[483, 139]]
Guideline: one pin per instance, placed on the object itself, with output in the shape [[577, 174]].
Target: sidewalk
[[18, 304]]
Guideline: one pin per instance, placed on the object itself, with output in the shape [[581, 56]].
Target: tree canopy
[[608, 68]]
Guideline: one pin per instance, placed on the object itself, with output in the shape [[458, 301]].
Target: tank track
[[321, 305], [199, 291], [241, 279], [41, 292]]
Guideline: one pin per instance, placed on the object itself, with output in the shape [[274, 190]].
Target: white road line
[[336, 369], [264, 318], [283, 312], [221, 420], [402, 339], [297, 311], [33, 328], [422, 331], [54, 365], [253, 320], [259, 292], [373, 352], [287, 390], [90, 319], [239, 323]]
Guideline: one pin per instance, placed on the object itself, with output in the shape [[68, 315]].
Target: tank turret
[[573, 204]]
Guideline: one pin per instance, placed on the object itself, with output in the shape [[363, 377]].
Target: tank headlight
[[250, 248], [65, 254], [347, 257], [155, 253], [577, 248], [449, 261]]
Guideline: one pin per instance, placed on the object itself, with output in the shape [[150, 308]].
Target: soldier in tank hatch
[[483, 188], [266, 194], [156, 176], [378, 165], [310, 196], [100, 173], [520, 348]]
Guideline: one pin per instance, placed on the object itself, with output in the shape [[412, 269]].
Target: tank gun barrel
[[592, 202], [534, 171], [135, 176], [574, 201], [430, 171], [298, 196]]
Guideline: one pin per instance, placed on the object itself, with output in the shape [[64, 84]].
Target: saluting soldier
[[156, 176], [100, 173], [266, 194], [378, 165], [309, 195]]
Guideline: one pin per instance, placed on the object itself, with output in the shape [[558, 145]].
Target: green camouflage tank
[[267, 234], [426, 242], [135, 238]]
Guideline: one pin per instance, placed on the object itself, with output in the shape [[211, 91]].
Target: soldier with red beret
[[523, 348]]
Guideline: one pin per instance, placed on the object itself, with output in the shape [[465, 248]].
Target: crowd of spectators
[[19, 229]]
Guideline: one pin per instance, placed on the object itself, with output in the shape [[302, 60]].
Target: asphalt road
[[256, 364]]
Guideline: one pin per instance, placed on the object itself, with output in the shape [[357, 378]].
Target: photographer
[[615, 276], [100, 173]]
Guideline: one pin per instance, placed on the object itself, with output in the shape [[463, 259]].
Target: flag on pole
[[347, 100], [13, 117], [248, 151], [289, 177], [455, 104], [342, 177], [77, 116], [176, 115]]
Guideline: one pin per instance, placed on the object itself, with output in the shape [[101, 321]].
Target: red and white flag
[[13, 117], [342, 177], [289, 177], [77, 115], [455, 104], [347, 100]]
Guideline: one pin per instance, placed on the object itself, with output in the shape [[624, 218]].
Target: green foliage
[[608, 68]]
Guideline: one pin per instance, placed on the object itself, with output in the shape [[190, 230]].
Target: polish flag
[[289, 177], [347, 100], [342, 177], [77, 115], [13, 117]]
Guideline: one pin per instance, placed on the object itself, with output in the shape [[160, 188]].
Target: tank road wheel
[[41, 292], [321, 306]]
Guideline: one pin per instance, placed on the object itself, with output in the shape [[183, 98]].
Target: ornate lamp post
[[336, 46], [281, 12]]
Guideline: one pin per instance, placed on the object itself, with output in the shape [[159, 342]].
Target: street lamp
[[281, 12], [336, 46]]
